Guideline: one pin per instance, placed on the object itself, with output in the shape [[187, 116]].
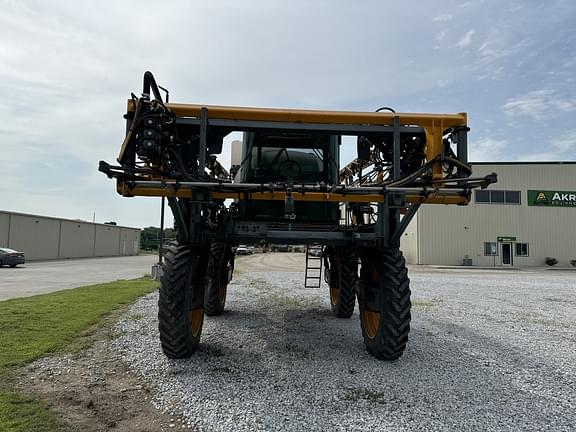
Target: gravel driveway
[[488, 351]]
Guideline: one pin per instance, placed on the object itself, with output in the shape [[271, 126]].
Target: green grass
[[33, 327], [23, 413], [424, 304]]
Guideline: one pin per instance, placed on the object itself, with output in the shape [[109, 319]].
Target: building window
[[490, 249], [497, 197], [482, 196], [512, 197], [522, 249]]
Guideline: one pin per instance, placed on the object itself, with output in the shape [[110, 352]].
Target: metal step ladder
[[313, 275]]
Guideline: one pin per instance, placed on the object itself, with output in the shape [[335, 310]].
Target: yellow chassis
[[434, 126], [172, 189]]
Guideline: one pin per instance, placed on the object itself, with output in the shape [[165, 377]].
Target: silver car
[[243, 250], [11, 257]]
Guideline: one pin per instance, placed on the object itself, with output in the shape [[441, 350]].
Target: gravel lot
[[489, 350]]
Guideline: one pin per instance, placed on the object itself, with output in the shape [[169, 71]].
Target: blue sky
[[66, 69]]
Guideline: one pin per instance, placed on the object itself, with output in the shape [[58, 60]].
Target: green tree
[[150, 237]]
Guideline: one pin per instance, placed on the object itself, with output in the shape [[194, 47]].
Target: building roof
[[67, 220]]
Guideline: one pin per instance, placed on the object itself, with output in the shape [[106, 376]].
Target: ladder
[[313, 275]]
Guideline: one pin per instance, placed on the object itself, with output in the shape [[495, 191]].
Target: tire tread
[[173, 324], [346, 274], [213, 305], [391, 338]]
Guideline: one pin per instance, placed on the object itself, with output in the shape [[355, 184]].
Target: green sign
[[543, 198], [506, 239]]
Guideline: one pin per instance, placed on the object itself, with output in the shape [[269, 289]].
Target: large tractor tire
[[181, 302], [341, 271], [220, 268], [384, 300]]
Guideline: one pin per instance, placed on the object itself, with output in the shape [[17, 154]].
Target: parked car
[[243, 250], [11, 257], [279, 248]]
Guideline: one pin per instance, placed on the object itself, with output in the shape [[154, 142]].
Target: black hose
[[150, 82], [185, 172], [385, 108]]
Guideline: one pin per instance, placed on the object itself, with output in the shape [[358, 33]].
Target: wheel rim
[[370, 322], [222, 293], [334, 291], [196, 317], [371, 319]]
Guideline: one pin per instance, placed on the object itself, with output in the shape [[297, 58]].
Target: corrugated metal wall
[[107, 241], [41, 237], [446, 234], [76, 239], [409, 241], [129, 242], [37, 237], [4, 228]]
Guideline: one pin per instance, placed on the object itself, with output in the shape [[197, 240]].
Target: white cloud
[[486, 150], [539, 105], [466, 40], [559, 149], [500, 54], [489, 53], [443, 17]]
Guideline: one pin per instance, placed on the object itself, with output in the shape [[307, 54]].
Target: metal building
[[530, 214], [41, 237]]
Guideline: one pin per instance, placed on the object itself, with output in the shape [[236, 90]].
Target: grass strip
[[33, 327], [23, 413]]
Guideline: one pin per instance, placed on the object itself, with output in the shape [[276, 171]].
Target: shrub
[[551, 261]]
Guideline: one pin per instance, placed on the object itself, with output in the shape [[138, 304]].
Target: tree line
[[150, 237]]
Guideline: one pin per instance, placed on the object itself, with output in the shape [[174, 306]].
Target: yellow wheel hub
[[196, 317], [370, 322], [334, 295]]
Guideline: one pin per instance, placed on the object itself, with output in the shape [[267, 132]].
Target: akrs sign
[[551, 198]]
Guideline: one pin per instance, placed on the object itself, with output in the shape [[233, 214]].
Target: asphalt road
[[41, 277]]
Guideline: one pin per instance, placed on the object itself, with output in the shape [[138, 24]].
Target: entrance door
[[507, 254]]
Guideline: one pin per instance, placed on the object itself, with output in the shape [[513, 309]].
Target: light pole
[[161, 242]]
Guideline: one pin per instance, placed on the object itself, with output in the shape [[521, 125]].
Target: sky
[[67, 68]]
